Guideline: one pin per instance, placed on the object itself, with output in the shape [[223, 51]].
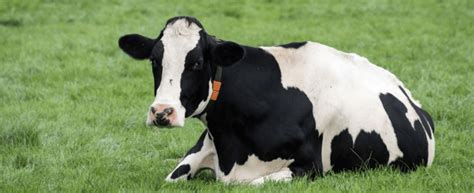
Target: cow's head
[[183, 59]]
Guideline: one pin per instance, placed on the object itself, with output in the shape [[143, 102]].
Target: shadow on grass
[[10, 23], [21, 136]]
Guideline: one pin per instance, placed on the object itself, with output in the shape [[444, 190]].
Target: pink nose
[[162, 115]]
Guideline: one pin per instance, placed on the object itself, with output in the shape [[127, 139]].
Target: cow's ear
[[227, 53], [136, 46]]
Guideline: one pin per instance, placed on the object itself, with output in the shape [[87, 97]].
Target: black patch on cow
[[294, 45], [198, 146], [156, 66], [308, 162], [411, 141], [196, 75], [368, 151], [181, 170], [256, 115], [424, 116]]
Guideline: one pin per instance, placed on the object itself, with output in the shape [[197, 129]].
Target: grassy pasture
[[73, 106]]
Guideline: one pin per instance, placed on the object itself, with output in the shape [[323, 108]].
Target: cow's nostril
[[168, 111], [153, 110]]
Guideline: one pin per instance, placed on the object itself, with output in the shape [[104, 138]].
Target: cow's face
[[181, 60]]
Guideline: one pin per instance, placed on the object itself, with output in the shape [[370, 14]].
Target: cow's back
[[365, 114]]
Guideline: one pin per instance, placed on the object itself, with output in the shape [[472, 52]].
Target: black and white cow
[[277, 112]]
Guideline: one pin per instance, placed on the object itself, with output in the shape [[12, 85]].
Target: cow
[[278, 112]]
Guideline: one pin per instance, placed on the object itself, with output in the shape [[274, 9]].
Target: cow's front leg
[[280, 176], [200, 156]]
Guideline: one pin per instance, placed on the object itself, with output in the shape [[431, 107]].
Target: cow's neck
[[216, 83], [245, 87]]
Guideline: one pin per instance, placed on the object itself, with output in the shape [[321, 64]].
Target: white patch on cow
[[202, 105], [431, 149], [178, 39], [281, 176], [344, 90], [198, 160], [203, 118], [253, 169]]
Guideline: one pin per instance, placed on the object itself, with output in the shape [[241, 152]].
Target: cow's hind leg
[[200, 156]]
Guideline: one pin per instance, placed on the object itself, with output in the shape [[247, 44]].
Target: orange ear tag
[[216, 87]]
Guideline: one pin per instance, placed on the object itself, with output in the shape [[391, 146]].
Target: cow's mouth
[[162, 122]]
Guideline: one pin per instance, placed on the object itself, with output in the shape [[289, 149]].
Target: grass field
[[73, 106]]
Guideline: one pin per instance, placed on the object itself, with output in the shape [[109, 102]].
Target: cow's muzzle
[[162, 115]]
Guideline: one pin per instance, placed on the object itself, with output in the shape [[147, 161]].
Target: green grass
[[73, 106]]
